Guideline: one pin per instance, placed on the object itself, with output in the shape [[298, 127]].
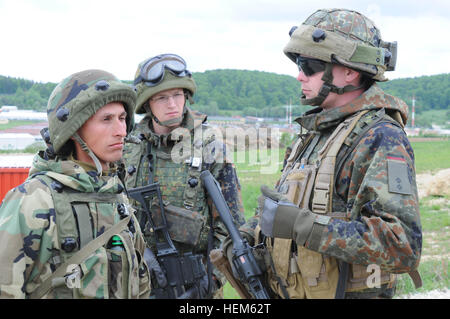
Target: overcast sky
[[47, 40]]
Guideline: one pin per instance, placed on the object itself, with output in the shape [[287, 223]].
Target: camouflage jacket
[[30, 224], [175, 174], [375, 185], [384, 223]]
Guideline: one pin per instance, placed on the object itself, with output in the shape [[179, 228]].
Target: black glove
[[201, 290], [155, 268]]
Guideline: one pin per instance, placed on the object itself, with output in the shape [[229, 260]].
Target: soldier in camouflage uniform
[[69, 228], [344, 217], [175, 147]]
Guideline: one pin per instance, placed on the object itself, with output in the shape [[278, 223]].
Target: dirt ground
[[434, 185]]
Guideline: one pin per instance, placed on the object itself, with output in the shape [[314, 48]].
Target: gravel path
[[433, 294]]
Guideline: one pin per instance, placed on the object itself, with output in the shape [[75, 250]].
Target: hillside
[[255, 93]]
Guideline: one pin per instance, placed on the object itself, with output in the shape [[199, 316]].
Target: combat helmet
[[345, 37], [79, 96], [160, 73]]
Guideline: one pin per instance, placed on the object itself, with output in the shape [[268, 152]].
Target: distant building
[[253, 119], [14, 161], [14, 170], [8, 108], [16, 141], [8, 112], [412, 131]]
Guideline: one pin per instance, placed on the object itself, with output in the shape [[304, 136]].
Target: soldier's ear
[[351, 75]]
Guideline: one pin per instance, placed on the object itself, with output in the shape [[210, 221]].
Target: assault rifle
[[179, 271], [243, 260]]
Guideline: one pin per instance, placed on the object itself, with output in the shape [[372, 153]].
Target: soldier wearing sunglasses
[[343, 219], [165, 88]]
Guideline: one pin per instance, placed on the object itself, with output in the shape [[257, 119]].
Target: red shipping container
[[11, 177]]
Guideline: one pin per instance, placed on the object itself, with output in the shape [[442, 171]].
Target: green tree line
[[431, 92], [247, 93], [25, 94]]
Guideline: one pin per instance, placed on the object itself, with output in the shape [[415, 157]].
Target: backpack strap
[[323, 186]]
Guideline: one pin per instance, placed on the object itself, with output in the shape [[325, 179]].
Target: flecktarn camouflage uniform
[[367, 205], [65, 205], [174, 177], [177, 161]]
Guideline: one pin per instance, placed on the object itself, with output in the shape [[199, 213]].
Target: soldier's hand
[[155, 268], [227, 248], [268, 204], [201, 290], [281, 218]]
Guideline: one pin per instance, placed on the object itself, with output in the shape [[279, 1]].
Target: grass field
[[435, 218], [435, 214], [14, 123], [431, 156]]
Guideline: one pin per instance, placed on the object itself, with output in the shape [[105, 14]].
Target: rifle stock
[[243, 259]]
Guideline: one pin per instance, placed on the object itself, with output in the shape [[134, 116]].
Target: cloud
[[46, 40]]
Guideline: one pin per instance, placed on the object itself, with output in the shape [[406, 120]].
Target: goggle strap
[[159, 80]]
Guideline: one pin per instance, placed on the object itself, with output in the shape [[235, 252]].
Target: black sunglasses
[[310, 66], [152, 71]]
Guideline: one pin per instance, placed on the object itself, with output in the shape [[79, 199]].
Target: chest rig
[[182, 191], [302, 272], [180, 225], [83, 237]]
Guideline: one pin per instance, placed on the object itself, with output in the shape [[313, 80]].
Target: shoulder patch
[[398, 180]]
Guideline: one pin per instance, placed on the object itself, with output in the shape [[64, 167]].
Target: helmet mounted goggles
[[152, 71]]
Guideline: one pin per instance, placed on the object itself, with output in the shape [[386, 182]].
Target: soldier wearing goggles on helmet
[[164, 88], [343, 219]]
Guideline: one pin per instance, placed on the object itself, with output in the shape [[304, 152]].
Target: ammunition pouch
[[182, 273], [184, 226]]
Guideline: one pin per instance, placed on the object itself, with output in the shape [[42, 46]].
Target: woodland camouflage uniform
[[179, 181], [373, 216], [65, 204]]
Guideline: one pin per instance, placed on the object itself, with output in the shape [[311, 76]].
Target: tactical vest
[[302, 272], [87, 266], [182, 191]]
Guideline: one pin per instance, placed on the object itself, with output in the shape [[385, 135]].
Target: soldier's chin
[[113, 157]]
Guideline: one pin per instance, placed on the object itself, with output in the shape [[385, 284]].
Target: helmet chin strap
[[170, 122], [91, 154], [326, 88]]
